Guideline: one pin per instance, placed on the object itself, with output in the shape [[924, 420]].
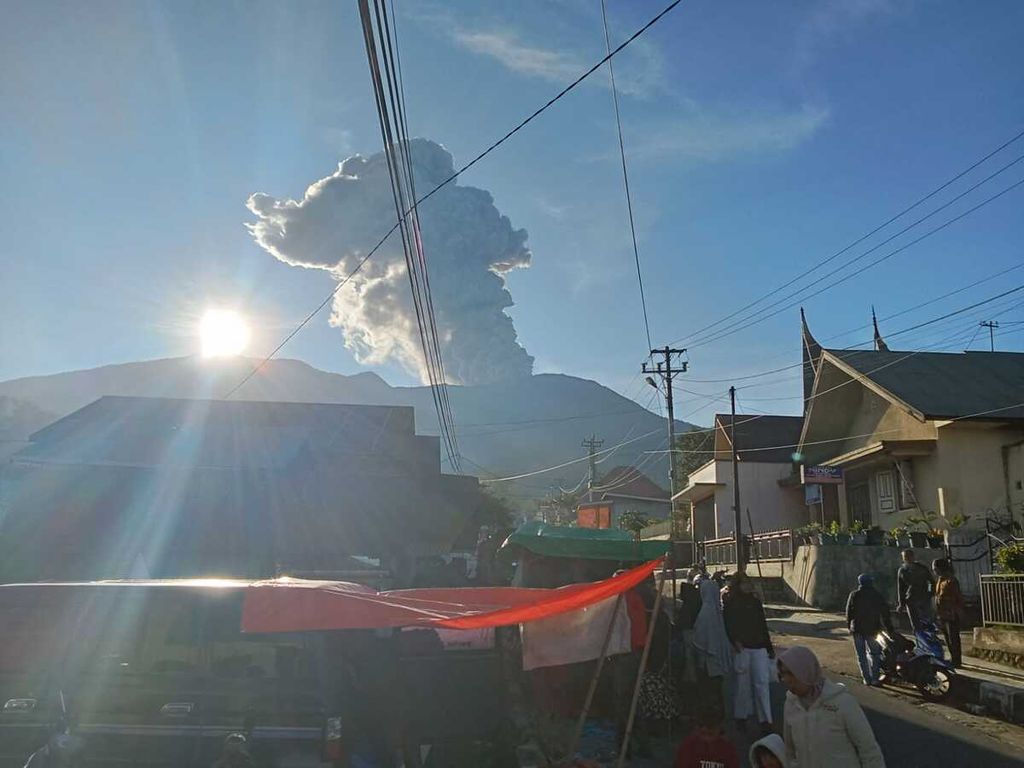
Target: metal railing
[[1002, 599], [766, 546]]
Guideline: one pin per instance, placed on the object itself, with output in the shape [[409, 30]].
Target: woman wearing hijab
[[710, 642], [824, 725]]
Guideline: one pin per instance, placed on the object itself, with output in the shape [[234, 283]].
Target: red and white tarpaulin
[[295, 605], [577, 635]]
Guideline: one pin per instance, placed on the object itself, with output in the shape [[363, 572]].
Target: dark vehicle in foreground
[[160, 674]]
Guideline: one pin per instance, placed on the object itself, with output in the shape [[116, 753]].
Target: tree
[[694, 450], [561, 508], [632, 520], [493, 510]]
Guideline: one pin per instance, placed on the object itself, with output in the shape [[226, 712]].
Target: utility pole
[[738, 518], [666, 370], [991, 325], [592, 444]]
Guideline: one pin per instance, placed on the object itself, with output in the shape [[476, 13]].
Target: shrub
[[1010, 559]]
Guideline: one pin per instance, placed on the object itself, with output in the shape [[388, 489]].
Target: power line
[[493, 146], [625, 174], [399, 161], [859, 240], [923, 304], [754, 320], [573, 461]]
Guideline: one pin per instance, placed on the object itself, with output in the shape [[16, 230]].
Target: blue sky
[[762, 137]]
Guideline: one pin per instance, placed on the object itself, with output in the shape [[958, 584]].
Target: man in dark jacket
[[867, 614], [747, 629], [915, 587]]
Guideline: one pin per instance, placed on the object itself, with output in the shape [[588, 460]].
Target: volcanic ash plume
[[469, 248]]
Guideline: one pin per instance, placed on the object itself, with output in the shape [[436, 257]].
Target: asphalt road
[[911, 732], [915, 737]]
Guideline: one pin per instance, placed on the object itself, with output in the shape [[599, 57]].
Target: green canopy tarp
[[584, 543]]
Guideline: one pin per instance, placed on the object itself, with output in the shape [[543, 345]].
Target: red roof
[[630, 481]]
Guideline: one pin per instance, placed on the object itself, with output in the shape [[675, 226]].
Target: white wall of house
[[771, 506]]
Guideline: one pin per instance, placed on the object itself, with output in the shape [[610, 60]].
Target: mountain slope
[[504, 429]]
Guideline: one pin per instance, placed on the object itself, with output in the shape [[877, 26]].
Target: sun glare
[[223, 333]]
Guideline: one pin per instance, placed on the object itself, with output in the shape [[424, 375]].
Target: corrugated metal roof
[[947, 385], [764, 438], [156, 431]]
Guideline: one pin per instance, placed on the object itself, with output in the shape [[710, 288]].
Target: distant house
[[770, 499], [133, 486], [623, 489], [918, 432]]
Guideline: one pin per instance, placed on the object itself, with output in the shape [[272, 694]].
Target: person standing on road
[[949, 606], [867, 614], [747, 629], [687, 609], [711, 643], [825, 727], [915, 586]]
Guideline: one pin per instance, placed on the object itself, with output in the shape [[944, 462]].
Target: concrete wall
[[971, 475], [771, 506], [822, 576]]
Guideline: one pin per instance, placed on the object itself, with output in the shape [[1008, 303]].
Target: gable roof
[[763, 438], [630, 481], [945, 385]]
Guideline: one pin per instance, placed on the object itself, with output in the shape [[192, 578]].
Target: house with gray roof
[[770, 500], [916, 432]]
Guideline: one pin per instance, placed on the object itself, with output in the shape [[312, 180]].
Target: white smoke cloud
[[469, 247]]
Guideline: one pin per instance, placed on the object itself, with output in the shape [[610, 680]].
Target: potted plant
[[959, 520], [899, 537], [838, 533], [803, 535], [919, 525], [858, 533], [936, 538], [874, 536], [813, 533]]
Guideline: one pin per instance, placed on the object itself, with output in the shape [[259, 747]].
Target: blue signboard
[[815, 474], [812, 495]]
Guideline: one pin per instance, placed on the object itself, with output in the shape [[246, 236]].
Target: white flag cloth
[[576, 635]]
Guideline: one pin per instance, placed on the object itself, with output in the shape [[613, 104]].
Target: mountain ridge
[[504, 428]]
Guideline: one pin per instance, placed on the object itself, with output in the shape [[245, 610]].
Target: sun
[[223, 333]]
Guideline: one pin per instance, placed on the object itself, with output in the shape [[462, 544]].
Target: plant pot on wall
[[842, 538], [874, 537], [918, 539], [826, 539], [859, 539]]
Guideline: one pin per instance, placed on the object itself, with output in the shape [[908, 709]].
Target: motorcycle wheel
[[938, 686]]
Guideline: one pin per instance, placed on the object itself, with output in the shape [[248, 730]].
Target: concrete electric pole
[[667, 368], [592, 444], [991, 325], [737, 517]]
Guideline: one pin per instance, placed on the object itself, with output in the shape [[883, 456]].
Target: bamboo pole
[[575, 744], [640, 675]]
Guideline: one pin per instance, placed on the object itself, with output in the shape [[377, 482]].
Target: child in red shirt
[[706, 747]]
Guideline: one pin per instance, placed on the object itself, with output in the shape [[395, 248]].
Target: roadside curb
[[980, 689]]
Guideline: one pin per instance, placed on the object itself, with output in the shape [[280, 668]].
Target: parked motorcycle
[[921, 664]]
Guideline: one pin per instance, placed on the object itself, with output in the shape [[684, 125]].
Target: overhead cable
[[462, 169]]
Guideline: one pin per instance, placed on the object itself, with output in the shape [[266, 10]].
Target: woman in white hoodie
[[769, 752], [824, 725]]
